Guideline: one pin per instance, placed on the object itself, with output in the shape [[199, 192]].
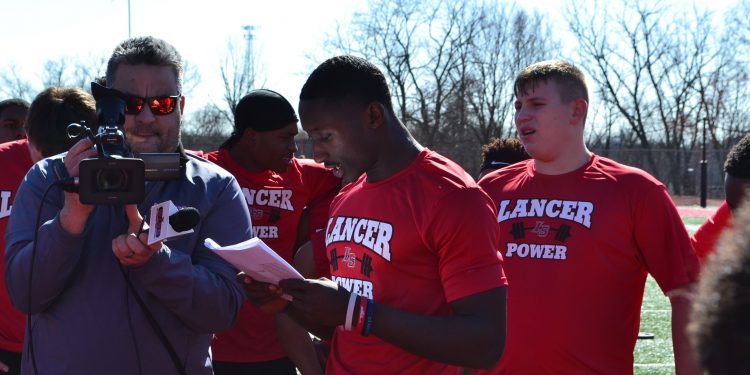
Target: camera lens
[[111, 180]]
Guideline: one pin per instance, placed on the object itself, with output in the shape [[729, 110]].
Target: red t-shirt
[[415, 241], [318, 218], [16, 161], [577, 250], [705, 238], [275, 202]]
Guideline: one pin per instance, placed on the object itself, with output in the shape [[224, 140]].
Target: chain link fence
[[679, 170]]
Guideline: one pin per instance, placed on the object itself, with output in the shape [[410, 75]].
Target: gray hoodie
[[85, 320]]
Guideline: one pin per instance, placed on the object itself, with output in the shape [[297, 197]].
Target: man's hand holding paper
[[267, 297], [262, 269]]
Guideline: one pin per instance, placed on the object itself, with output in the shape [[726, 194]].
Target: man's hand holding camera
[[74, 214], [132, 249]]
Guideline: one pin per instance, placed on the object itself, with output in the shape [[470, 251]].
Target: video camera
[[116, 176]]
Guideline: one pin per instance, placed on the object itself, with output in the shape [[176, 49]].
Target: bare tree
[[739, 26], [418, 44], [600, 137], [726, 90], [509, 39], [389, 40], [449, 65], [205, 129], [191, 78], [239, 70], [55, 72], [14, 86], [68, 71], [653, 64], [208, 127]]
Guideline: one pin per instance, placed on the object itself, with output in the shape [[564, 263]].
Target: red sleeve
[[705, 238], [323, 187], [662, 239], [212, 156], [319, 180], [318, 210], [318, 219], [466, 235], [320, 256]]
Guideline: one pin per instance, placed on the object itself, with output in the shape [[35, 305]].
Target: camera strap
[[183, 158], [155, 326]]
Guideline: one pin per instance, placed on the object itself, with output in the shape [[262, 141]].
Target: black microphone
[[184, 219]]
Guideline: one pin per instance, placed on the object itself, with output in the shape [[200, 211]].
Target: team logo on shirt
[[281, 198], [575, 211], [274, 216], [266, 231], [372, 234], [350, 260], [256, 213], [552, 237], [541, 230], [361, 287], [268, 203], [5, 204]]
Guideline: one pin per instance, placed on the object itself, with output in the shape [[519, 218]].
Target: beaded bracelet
[[368, 318], [362, 311]]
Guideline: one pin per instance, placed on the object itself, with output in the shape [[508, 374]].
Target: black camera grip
[[62, 177]]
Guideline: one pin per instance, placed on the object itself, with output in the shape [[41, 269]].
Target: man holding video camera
[[100, 299], [48, 116]]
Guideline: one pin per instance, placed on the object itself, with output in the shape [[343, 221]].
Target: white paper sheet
[[256, 259]]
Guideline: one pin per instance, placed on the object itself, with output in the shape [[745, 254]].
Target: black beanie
[[261, 110]]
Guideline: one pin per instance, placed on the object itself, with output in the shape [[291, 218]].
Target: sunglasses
[[159, 105]]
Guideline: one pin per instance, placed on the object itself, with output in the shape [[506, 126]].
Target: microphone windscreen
[[184, 219]]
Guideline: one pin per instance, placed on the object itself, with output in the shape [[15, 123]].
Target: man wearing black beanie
[[262, 111], [277, 187]]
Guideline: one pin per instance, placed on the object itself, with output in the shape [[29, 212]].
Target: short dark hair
[[503, 150], [719, 327], [738, 159], [146, 50], [347, 76], [50, 114], [569, 79], [15, 102]]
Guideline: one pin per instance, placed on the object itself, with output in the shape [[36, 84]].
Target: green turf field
[[655, 356], [693, 221]]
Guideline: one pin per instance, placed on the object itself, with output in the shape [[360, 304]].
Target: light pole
[[248, 51], [704, 162], [128, 19]]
